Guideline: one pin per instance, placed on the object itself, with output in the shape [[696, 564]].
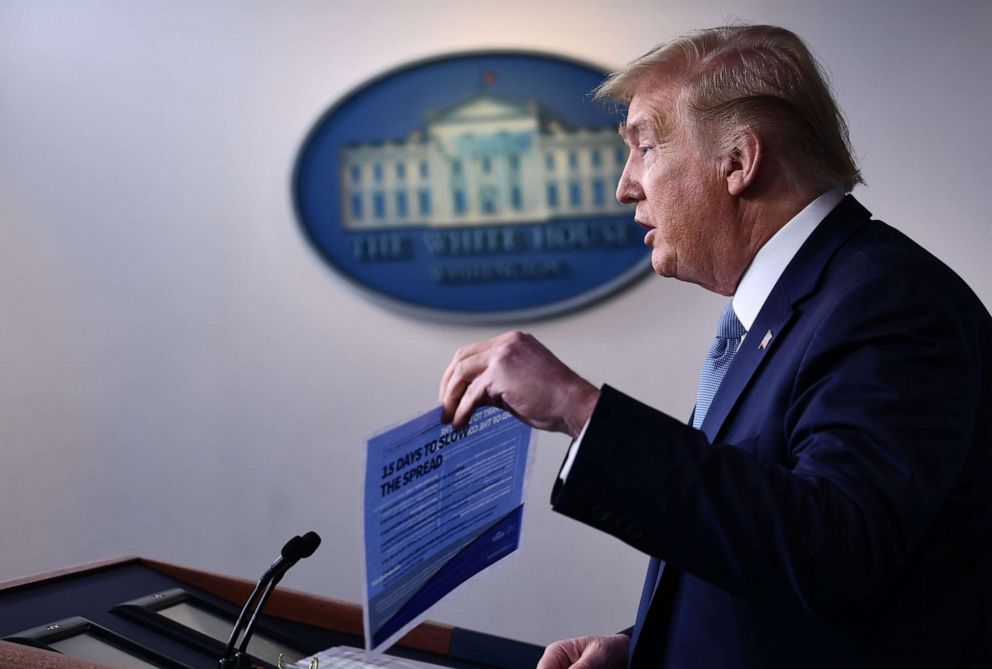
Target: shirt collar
[[772, 258]]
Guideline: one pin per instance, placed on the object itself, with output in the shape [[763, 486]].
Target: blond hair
[[758, 77]]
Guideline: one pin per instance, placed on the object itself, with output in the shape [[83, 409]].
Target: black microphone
[[295, 550]]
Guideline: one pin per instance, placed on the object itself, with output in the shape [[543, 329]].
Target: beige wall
[[182, 377]]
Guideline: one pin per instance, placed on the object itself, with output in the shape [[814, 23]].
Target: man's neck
[[776, 253], [765, 216]]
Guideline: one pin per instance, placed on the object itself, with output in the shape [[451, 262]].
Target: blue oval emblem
[[474, 187]]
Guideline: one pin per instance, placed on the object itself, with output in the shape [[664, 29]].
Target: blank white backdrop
[[182, 378]]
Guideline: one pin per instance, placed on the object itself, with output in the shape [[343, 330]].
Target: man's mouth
[[650, 231]]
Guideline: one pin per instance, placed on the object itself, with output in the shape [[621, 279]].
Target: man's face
[[680, 191]]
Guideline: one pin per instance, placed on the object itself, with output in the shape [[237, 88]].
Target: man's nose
[[628, 188]]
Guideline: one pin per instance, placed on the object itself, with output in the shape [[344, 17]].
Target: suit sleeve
[[878, 423]]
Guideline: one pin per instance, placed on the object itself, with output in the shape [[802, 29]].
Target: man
[[831, 503]]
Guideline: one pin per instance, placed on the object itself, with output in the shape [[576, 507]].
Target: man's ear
[[742, 162]]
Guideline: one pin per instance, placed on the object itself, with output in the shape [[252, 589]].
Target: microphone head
[[310, 540], [293, 549], [299, 547]]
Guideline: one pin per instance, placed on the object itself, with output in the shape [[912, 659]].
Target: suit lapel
[[774, 317], [797, 281]]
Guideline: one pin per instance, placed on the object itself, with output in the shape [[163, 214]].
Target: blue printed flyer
[[441, 505]]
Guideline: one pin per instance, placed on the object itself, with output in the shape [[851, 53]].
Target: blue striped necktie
[[725, 345]]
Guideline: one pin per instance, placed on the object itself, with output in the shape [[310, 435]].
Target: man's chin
[[663, 265]]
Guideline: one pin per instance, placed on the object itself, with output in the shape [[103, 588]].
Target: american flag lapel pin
[[765, 341]]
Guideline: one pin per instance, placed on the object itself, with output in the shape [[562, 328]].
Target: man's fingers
[[476, 355], [515, 372], [451, 396], [554, 657], [446, 377], [587, 652], [467, 352], [466, 362], [471, 397], [582, 663], [459, 377]]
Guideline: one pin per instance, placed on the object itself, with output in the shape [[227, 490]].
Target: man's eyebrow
[[626, 129]]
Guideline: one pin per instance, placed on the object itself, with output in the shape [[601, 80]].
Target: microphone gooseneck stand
[[295, 550]]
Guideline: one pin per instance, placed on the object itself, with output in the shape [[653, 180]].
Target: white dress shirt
[[760, 277]]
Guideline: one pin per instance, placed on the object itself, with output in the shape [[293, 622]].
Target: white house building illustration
[[482, 161]]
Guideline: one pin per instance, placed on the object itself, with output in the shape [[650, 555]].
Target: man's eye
[[644, 149]]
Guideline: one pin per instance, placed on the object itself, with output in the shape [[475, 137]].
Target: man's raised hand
[[516, 372]]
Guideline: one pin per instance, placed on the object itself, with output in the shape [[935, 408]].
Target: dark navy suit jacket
[[835, 509]]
